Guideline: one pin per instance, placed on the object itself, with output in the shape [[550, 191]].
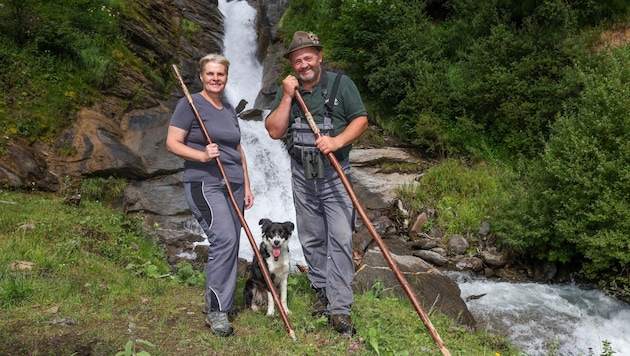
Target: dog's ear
[[289, 226], [264, 222]]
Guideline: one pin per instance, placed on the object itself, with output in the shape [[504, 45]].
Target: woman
[[206, 194]]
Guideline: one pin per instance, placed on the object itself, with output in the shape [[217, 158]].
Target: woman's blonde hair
[[214, 58]]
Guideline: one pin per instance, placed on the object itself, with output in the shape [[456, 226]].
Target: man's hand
[[327, 144], [290, 85]]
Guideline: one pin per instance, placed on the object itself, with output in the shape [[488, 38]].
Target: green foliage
[[465, 77], [607, 349], [188, 276], [55, 56], [588, 160], [517, 77], [378, 288], [577, 204], [15, 289], [69, 250], [146, 269], [53, 59], [190, 29], [102, 189], [313, 16], [462, 196], [130, 347], [372, 340]]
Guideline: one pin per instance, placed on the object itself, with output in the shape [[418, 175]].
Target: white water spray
[[539, 318]]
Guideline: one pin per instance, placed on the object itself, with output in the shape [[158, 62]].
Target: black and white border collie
[[274, 250]]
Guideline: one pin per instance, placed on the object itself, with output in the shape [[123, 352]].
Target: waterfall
[[240, 44], [270, 180]]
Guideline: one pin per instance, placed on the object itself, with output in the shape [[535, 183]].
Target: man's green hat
[[301, 40]]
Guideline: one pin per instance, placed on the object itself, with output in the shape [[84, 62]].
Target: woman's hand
[[249, 198], [212, 152]]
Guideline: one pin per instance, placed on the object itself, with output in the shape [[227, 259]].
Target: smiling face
[[306, 63], [214, 77]]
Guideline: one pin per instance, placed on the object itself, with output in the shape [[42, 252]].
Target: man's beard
[[311, 78]]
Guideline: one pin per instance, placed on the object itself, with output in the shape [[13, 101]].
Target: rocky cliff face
[[104, 139]]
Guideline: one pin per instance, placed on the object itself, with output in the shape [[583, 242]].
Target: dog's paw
[[255, 307], [270, 313], [287, 311]]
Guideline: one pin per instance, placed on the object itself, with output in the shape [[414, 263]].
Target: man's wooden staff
[[257, 254], [379, 241]]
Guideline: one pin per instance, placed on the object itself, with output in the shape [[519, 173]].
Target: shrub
[[577, 207], [103, 189], [588, 161]]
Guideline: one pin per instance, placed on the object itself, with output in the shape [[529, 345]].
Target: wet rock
[[510, 273], [426, 243], [461, 263], [494, 258], [458, 244], [545, 271], [383, 225], [432, 257]]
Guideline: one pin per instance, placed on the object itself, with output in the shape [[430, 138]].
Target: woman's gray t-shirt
[[223, 129]]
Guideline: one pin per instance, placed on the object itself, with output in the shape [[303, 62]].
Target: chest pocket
[[301, 144]]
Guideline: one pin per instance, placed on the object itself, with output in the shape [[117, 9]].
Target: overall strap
[[330, 102]]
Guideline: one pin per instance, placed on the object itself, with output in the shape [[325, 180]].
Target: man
[[325, 213]]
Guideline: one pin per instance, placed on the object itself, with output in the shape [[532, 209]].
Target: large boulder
[[163, 196], [431, 288], [145, 135], [94, 148]]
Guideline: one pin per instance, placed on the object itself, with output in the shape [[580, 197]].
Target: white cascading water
[[570, 319], [541, 319]]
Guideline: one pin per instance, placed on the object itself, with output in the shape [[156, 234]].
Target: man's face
[[306, 64]]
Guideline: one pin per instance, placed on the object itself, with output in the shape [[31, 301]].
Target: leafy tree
[[472, 82]]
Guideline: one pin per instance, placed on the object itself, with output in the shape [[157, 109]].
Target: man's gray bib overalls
[[324, 211]]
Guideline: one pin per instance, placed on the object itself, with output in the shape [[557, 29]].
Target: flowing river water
[[541, 319]]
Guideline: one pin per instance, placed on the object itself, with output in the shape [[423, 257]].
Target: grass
[[99, 282], [463, 195]]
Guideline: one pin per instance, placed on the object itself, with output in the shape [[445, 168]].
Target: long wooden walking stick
[[379, 241], [257, 254]]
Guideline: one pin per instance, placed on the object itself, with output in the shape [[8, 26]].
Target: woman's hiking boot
[[219, 323]]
